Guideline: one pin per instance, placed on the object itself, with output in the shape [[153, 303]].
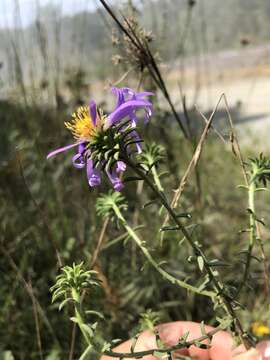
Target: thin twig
[[72, 343], [122, 78], [193, 163], [234, 140], [99, 243], [147, 58]]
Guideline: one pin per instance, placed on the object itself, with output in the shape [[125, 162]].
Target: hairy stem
[[92, 344], [252, 228], [156, 178], [79, 315], [169, 350], [219, 288], [148, 256]]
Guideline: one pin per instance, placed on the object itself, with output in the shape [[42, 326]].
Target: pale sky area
[[28, 9]]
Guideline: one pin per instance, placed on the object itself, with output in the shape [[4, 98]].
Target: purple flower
[[128, 101], [104, 142]]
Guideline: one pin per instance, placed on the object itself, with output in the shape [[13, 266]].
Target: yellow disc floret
[[82, 126], [259, 329]]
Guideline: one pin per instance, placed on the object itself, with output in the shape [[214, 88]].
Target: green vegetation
[[48, 215]]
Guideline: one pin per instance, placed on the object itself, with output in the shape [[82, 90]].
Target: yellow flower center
[[259, 329], [81, 125]]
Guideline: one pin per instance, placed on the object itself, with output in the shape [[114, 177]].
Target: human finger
[[170, 333]]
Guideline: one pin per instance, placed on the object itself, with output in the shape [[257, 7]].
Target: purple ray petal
[[93, 175], [82, 147], [118, 185], [78, 161], [136, 137], [93, 112], [126, 109], [138, 144], [120, 166], [133, 119], [139, 148], [115, 180], [120, 99], [62, 149], [148, 114], [133, 95], [126, 94]]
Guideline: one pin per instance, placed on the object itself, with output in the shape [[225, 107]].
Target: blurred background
[[54, 56]]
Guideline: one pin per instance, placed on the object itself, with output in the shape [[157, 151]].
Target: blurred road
[[244, 77]]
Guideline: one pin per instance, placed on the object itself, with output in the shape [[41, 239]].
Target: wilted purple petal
[[136, 96], [62, 149], [133, 119], [148, 114], [93, 112], [136, 137], [126, 109], [118, 185], [120, 166], [131, 94], [139, 148], [126, 94], [115, 180], [120, 96], [82, 147], [93, 175], [78, 161]]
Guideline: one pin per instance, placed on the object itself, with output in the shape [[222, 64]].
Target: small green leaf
[[216, 262], [202, 327], [88, 329], [92, 312], [200, 263], [63, 303], [74, 319], [184, 337]]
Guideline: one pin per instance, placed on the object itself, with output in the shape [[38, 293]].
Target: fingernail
[[264, 349]]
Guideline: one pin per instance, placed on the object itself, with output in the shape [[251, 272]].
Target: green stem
[[80, 316], [146, 253], [252, 227], [219, 288], [156, 179], [252, 220]]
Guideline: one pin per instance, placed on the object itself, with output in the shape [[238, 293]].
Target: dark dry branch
[[147, 59]]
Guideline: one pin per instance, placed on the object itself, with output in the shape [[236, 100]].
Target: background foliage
[[47, 207]]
